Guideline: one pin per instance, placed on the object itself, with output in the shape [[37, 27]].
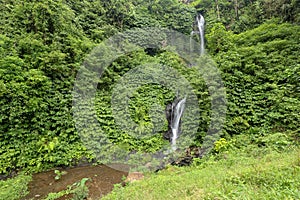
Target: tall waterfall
[[177, 111], [200, 30]]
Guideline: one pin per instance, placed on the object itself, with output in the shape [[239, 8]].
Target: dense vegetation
[[255, 44]]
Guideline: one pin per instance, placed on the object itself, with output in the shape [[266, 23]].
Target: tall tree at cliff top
[[241, 15]]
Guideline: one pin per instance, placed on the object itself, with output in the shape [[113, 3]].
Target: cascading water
[[200, 30], [200, 22], [177, 111]]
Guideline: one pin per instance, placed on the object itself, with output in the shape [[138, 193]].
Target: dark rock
[[185, 161]]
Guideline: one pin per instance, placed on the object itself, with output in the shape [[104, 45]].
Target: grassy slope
[[249, 173], [15, 188]]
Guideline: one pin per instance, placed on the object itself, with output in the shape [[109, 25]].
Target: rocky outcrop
[[134, 176]]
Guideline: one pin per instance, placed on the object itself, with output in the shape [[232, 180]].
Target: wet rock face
[[168, 134], [190, 153]]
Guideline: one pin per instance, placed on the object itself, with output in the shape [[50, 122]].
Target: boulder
[[134, 176]]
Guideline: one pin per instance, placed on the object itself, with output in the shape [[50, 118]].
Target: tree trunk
[[218, 10], [236, 8]]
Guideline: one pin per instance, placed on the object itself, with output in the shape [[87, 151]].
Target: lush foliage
[[43, 43], [261, 73], [143, 114], [40, 51]]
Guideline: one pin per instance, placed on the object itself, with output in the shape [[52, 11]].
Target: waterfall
[[200, 26], [177, 111], [200, 23]]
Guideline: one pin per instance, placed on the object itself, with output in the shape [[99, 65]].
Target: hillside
[[92, 82]]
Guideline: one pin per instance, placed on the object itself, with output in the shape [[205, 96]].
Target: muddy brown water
[[102, 180]]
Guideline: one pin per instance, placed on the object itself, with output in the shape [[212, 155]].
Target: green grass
[[14, 188], [246, 173]]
